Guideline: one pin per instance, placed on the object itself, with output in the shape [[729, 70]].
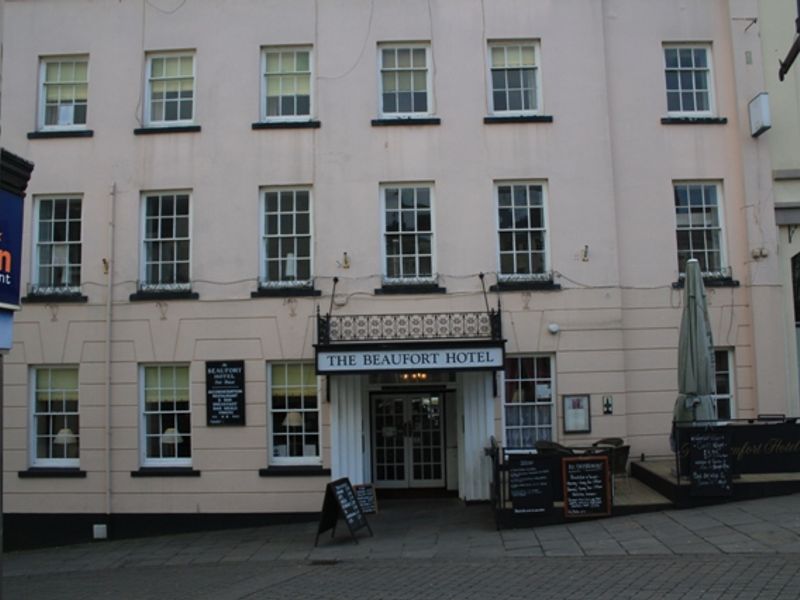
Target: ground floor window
[[56, 422], [528, 407], [724, 372], [294, 414], [166, 416]]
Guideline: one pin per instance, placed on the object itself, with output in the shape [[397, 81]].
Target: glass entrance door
[[407, 440]]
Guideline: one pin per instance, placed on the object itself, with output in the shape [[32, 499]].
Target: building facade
[[274, 243]]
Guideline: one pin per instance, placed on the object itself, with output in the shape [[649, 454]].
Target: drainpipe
[[109, 268]]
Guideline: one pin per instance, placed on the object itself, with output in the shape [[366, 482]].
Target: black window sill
[[694, 121], [525, 286], [287, 125], [166, 472], [714, 282], [51, 472], [285, 292], [518, 119], [55, 299], [73, 133], [173, 129], [406, 121], [310, 471], [410, 289], [165, 295]]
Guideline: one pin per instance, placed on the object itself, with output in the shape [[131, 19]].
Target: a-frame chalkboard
[[340, 501]]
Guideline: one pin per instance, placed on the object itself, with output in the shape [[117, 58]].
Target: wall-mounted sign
[[425, 359], [225, 392], [10, 249]]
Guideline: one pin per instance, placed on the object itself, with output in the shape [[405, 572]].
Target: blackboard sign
[[225, 392], [365, 494], [710, 469], [340, 501], [587, 489], [530, 484]]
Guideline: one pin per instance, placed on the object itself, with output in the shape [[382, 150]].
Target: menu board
[[365, 494], [225, 392], [587, 488], [710, 464], [340, 501], [530, 484]]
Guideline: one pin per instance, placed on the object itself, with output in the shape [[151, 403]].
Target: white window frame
[[176, 461], [554, 417], [148, 118], [711, 112], [731, 376], [272, 459], [428, 80], [299, 283], [35, 461], [36, 284], [537, 78], [265, 118], [724, 270], [43, 62], [546, 274], [384, 270], [144, 283]]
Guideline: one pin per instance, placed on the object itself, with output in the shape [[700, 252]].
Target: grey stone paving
[[441, 550]]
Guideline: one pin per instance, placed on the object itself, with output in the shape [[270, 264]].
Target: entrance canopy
[[461, 341]]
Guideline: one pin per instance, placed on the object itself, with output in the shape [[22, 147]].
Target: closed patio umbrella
[[696, 369]]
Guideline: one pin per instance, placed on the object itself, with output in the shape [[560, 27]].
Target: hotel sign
[[10, 249], [455, 358]]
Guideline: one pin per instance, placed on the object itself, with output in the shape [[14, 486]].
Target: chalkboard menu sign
[[225, 392], [365, 494], [340, 501], [530, 484], [710, 464], [587, 489]]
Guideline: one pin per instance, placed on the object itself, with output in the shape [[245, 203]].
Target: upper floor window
[[522, 231], [528, 405], [55, 430], [286, 237], [405, 83], [57, 252], [170, 89], [294, 414], [63, 92], [699, 233], [408, 233], [165, 428], [514, 74], [286, 84], [165, 241], [689, 80]]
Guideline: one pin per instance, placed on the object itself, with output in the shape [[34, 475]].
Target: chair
[[614, 442], [619, 462], [548, 448]]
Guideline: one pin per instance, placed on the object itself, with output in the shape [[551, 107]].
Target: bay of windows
[[294, 414], [170, 89], [286, 83], [514, 77], [166, 241], [286, 237], [57, 259], [404, 80], [408, 234], [522, 231], [528, 405], [699, 227], [166, 428], [56, 420]]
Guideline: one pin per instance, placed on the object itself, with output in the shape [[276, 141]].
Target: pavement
[[440, 549]]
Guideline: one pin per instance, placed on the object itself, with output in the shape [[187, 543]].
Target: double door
[[408, 440]]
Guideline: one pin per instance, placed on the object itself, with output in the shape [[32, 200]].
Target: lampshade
[[171, 437], [293, 419], [65, 437]]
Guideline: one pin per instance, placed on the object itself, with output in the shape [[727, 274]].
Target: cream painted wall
[[607, 161]]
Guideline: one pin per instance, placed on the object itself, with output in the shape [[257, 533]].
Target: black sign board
[[530, 484], [225, 392], [710, 469], [365, 494], [587, 487], [340, 501]]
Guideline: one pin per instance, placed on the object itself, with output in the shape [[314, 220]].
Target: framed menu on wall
[[577, 413]]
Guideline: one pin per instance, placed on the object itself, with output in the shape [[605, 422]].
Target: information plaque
[[225, 392]]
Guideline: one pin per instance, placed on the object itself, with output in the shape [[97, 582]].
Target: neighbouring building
[[275, 243]]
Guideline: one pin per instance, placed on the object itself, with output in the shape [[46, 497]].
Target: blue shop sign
[[10, 249]]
